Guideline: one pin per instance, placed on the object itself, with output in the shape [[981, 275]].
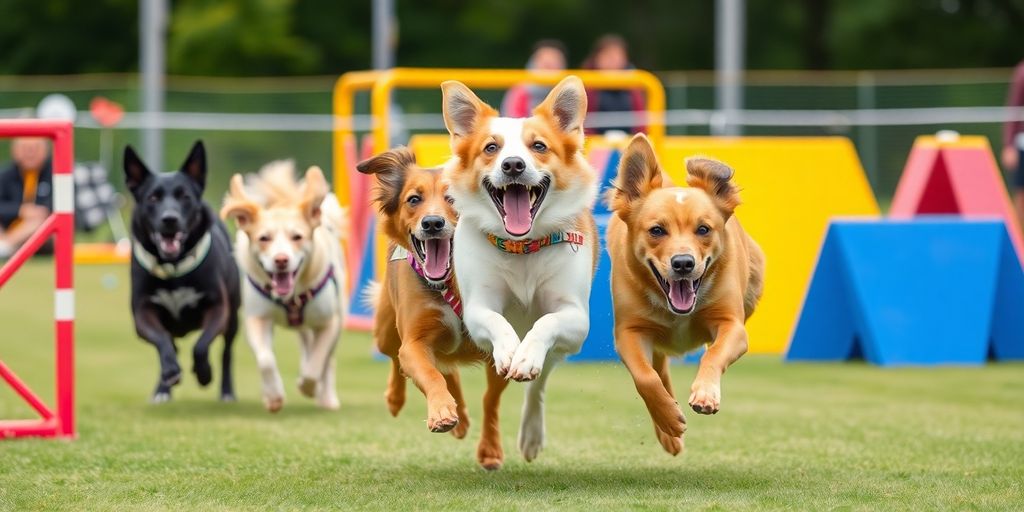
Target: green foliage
[[287, 37], [238, 37]]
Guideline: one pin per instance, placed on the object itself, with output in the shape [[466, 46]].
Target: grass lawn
[[813, 437]]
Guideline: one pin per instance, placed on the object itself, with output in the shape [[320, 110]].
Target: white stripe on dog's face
[[509, 133], [282, 234]]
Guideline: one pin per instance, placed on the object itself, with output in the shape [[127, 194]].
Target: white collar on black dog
[[193, 259]]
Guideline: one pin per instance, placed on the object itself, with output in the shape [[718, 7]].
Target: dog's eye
[[540, 147], [703, 230], [450, 199], [414, 200], [264, 238], [491, 148], [153, 198], [657, 231], [296, 237]]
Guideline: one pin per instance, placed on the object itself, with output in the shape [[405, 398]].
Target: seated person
[[519, 101], [26, 192]]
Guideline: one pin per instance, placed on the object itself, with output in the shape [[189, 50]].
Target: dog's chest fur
[[176, 300]]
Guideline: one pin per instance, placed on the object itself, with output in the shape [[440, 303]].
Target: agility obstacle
[[60, 421], [366, 248], [955, 175], [933, 290]]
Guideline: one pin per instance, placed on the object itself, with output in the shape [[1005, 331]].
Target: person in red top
[[1013, 140], [519, 101]]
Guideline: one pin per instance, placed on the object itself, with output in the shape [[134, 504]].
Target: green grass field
[[790, 436]]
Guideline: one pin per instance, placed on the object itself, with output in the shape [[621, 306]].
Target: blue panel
[[1007, 324], [610, 171], [924, 288], [357, 306], [825, 330], [600, 344]]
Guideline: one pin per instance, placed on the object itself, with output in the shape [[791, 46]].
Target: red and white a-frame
[[59, 421]]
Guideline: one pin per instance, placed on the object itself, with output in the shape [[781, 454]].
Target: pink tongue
[[171, 246], [681, 295], [283, 282], [518, 219], [435, 261]]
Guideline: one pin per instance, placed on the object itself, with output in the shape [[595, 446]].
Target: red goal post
[[58, 421]]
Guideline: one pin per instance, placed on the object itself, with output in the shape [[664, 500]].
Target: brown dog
[[684, 273], [418, 320]]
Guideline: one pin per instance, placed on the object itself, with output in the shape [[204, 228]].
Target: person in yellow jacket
[[26, 192]]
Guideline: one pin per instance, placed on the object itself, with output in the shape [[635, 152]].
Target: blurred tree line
[[292, 37]]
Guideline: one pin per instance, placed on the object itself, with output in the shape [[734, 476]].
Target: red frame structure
[[58, 422]]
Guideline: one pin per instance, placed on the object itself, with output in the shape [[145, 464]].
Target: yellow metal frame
[[382, 83]]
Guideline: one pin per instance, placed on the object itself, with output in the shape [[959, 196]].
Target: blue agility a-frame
[[940, 290]]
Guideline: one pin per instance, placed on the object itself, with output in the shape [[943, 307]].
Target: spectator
[[26, 188], [1013, 141], [611, 53], [548, 55]]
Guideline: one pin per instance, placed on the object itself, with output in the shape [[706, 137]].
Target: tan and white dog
[[684, 273], [526, 244], [288, 246]]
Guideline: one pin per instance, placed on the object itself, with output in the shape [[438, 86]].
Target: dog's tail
[[370, 295]]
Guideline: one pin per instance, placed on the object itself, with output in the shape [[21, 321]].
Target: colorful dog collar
[[448, 290], [533, 245]]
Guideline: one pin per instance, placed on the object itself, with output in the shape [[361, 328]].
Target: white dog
[[526, 244], [288, 246]]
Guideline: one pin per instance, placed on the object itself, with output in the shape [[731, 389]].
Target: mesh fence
[[247, 122]]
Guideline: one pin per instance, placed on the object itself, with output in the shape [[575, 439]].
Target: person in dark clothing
[[610, 53], [1013, 141], [26, 192]]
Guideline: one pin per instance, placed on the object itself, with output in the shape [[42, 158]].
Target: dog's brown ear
[[638, 175], [462, 109], [238, 205], [314, 190], [389, 167], [566, 105], [716, 179]]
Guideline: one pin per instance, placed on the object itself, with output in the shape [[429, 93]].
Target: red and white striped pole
[[60, 224]]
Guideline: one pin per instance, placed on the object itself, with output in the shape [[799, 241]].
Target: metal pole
[[730, 23], [152, 38], [383, 27]]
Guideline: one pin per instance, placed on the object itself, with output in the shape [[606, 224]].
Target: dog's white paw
[[527, 361], [273, 403], [504, 352], [531, 435], [160, 397]]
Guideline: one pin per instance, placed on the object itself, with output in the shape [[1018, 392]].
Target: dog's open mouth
[[518, 204], [169, 244], [434, 256], [681, 293], [283, 283]]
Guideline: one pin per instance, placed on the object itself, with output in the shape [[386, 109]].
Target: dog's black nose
[[513, 166], [432, 224], [169, 221], [683, 263]]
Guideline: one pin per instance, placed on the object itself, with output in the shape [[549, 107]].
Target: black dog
[[184, 277]]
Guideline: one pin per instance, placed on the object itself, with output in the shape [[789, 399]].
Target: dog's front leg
[[491, 331], [259, 332], [567, 326], [730, 343], [635, 348], [149, 328], [215, 321], [313, 369]]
